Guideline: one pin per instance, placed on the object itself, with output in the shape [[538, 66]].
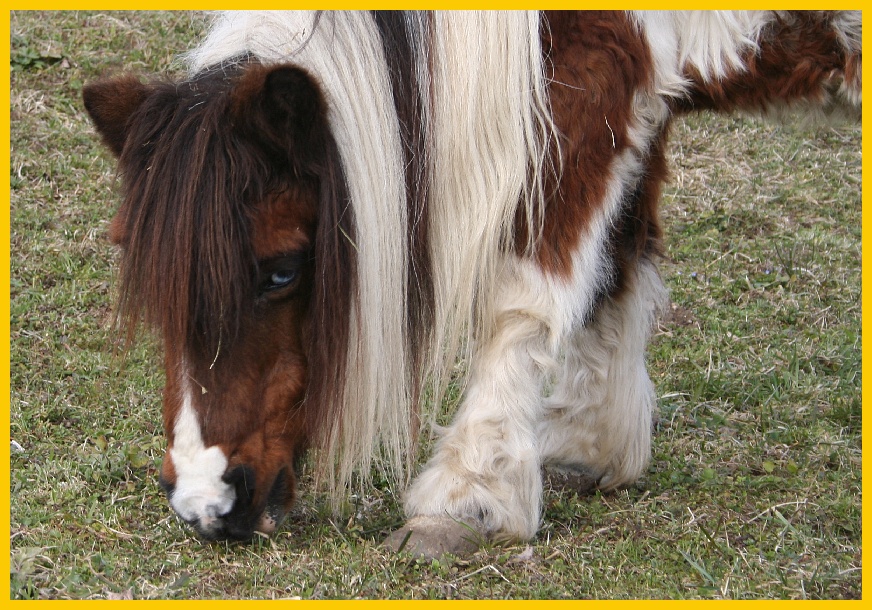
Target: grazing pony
[[334, 207]]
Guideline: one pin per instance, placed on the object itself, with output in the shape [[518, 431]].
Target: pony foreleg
[[598, 419], [484, 478]]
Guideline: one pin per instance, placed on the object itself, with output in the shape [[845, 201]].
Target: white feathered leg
[[599, 416], [486, 467]]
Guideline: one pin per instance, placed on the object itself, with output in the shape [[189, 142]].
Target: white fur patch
[[849, 27], [712, 42], [199, 494]]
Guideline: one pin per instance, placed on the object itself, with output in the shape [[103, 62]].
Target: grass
[[754, 490]]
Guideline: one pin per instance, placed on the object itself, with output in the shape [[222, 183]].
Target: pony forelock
[[196, 227]]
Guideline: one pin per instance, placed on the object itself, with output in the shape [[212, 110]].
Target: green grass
[[754, 487]]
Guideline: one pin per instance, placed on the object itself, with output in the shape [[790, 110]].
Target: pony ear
[[285, 107], [110, 104], [291, 92]]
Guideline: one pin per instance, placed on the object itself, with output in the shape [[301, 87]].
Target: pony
[[332, 209]]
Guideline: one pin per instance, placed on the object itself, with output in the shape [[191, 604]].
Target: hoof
[[433, 537], [571, 479]]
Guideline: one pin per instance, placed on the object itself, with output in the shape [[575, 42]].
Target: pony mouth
[[231, 527]]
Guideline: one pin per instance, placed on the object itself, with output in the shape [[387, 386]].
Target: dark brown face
[[223, 189], [236, 424]]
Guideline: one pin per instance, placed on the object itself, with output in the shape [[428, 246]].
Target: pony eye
[[280, 279], [280, 275]]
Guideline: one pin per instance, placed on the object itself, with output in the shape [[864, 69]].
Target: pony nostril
[[238, 531], [282, 491], [202, 505], [242, 478]]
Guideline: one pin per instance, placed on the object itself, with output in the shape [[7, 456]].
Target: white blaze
[[199, 494]]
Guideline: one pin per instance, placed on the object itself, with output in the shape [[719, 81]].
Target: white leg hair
[[486, 467], [599, 416]]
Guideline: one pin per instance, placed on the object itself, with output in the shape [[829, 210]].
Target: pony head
[[225, 179]]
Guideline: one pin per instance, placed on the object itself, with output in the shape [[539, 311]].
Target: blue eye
[[280, 279], [282, 274]]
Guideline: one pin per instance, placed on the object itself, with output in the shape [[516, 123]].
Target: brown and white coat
[[334, 207]]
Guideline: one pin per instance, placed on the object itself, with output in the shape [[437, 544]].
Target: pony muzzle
[[230, 508]]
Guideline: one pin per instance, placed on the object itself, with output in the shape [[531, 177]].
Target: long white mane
[[488, 126]]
